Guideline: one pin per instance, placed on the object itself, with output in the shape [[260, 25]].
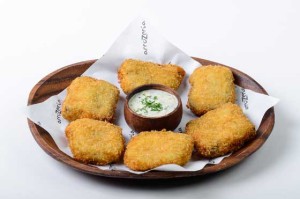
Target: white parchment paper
[[141, 41]]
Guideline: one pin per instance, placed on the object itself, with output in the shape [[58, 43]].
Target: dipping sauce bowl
[[153, 112]]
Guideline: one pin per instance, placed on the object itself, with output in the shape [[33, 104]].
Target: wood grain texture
[[58, 80]]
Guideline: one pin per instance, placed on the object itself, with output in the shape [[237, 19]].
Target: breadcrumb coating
[[220, 131], [211, 87], [95, 142], [135, 73], [151, 149], [90, 98]]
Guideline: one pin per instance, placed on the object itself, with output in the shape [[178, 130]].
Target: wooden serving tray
[[58, 80]]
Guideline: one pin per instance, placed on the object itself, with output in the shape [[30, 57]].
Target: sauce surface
[[153, 103]]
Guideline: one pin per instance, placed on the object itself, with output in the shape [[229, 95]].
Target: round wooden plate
[[55, 82]]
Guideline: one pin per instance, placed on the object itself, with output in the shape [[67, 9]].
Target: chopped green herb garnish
[[150, 104]]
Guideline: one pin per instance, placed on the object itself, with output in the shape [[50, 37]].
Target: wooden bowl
[[58, 80], [140, 123]]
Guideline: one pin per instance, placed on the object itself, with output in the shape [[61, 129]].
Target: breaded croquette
[[135, 73], [95, 142], [220, 131], [211, 86], [151, 149], [90, 98]]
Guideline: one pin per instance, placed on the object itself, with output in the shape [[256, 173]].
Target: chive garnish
[[150, 103]]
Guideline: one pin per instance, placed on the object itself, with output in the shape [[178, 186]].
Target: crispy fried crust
[[95, 142], [220, 131], [90, 98], [135, 73], [211, 86], [151, 149]]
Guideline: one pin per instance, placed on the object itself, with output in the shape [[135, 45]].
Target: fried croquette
[[151, 149], [90, 98], [211, 86], [135, 73], [95, 142], [220, 131]]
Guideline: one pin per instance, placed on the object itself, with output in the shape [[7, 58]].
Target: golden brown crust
[[135, 73], [90, 98], [211, 87], [151, 149], [220, 131], [95, 142]]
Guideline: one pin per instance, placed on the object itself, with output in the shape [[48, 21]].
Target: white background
[[260, 38]]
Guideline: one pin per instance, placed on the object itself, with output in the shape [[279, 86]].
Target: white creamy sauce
[[153, 103]]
